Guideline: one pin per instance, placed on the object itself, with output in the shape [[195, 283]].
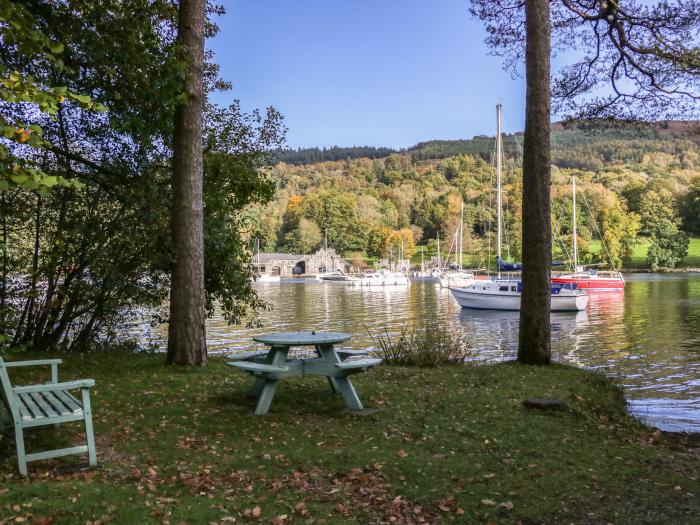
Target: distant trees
[[690, 208], [668, 245]]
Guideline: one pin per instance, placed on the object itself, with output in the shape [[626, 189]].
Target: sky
[[366, 72]]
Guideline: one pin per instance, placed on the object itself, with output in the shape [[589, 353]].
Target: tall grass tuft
[[428, 347]]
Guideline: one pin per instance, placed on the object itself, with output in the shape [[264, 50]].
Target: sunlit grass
[[453, 444]]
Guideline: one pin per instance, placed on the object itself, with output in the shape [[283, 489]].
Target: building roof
[[266, 257]]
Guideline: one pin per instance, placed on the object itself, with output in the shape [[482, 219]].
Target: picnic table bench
[[270, 366], [45, 404]]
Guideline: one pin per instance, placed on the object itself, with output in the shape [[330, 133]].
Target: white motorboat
[[334, 276], [382, 278], [267, 278], [504, 294]]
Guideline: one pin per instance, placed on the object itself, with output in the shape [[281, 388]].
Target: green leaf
[[56, 47]]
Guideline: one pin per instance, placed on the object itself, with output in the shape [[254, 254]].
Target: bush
[[428, 347]]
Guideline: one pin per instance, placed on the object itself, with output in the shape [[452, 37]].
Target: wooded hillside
[[631, 182]]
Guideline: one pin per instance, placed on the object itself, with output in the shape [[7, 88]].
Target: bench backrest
[[6, 395]]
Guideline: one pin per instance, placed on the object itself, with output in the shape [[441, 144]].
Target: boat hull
[[600, 284], [511, 302]]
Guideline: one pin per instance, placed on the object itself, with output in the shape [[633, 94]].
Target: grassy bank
[[452, 445], [638, 260]]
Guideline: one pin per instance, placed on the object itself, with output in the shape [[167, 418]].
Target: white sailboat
[[459, 277], [505, 294]]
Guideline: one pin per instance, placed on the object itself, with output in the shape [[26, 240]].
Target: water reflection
[[649, 336]]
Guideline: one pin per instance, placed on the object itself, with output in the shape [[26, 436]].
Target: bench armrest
[[52, 387], [36, 362]]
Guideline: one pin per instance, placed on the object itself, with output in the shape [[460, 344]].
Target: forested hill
[[633, 184], [563, 139]]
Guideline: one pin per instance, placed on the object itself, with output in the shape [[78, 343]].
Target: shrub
[[428, 347]]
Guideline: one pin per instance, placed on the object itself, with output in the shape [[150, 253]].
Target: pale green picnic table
[[271, 366]]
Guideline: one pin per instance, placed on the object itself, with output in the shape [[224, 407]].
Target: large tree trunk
[[186, 333], [535, 336]]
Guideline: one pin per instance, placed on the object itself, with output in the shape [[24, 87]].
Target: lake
[[648, 336]]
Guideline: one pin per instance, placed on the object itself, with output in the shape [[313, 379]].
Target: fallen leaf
[[488, 502], [508, 505], [402, 453]]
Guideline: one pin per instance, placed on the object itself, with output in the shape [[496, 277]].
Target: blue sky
[[366, 72]]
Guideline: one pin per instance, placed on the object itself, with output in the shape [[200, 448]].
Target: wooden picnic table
[[270, 366]]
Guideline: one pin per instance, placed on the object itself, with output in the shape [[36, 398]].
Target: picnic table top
[[302, 338]]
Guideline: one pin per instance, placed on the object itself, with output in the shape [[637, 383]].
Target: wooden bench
[[245, 356], [46, 404], [259, 369], [359, 365], [344, 354]]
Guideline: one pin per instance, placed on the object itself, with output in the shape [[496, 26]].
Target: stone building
[[293, 265]]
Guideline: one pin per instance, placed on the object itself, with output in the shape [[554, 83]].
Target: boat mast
[[573, 185], [498, 186], [439, 262], [461, 235]]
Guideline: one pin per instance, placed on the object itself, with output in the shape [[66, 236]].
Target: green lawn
[[639, 254], [450, 445]]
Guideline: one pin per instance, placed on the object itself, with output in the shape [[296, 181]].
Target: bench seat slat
[[56, 403], [44, 405], [351, 352], [70, 402], [28, 408]]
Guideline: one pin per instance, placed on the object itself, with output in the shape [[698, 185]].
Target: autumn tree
[[636, 61], [186, 333]]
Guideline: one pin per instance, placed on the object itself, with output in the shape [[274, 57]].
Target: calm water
[[649, 336]]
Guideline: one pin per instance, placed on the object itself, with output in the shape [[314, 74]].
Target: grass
[[638, 260], [450, 445]]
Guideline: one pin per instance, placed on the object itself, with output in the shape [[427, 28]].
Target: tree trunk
[[186, 332], [535, 336]]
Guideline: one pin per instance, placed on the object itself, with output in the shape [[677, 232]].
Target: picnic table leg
[[348, 392], [331, 380], [342, 385], [259, 383], [277, 357], [256, 388], [268, 392]]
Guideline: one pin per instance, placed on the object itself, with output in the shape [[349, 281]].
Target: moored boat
[[504, 294], [593, 280], [334, 276], [382, 278]]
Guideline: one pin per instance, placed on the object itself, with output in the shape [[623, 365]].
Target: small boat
[[267, 278], [591, 280], [505, 294], [334, 276], [457, 279], [382, 278]]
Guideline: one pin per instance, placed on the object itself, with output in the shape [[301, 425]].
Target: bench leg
[[21, 455], [268, 392], [346, 390], [89, 434], [256, 388]]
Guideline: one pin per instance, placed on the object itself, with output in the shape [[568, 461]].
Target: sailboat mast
[[461, 235], [439, 262], [498, 186], [573, 185]]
